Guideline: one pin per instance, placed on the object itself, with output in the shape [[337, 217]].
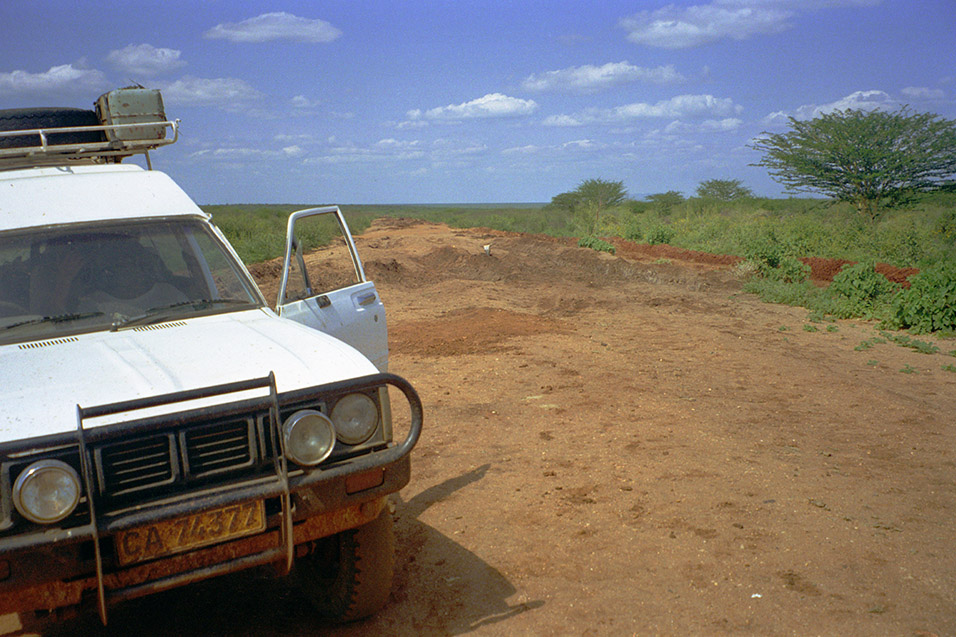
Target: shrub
[[659, 234], [596, 244], [858, 289], [945, 226], [929, 304], [773, 259], [632, 230], [791, 270]]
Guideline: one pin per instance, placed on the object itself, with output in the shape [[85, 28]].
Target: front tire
[[348, 576]]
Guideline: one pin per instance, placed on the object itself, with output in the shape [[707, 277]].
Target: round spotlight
[[47, 491], [309, 437], [355, 417]]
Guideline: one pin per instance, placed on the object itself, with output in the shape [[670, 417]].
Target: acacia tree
[[664, 201], [566, 201], [591, 198], [723, 190], [872, 159]]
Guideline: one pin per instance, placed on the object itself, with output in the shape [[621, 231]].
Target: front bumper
[[58, 567]]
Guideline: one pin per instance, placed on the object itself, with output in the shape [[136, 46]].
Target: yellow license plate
[[190, 532]]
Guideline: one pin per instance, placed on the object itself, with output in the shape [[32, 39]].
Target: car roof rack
[[44, 153]]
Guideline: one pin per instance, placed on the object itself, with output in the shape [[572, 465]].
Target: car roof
[[56, 195]]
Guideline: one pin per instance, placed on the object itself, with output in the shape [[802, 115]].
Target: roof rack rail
[[44, 153]]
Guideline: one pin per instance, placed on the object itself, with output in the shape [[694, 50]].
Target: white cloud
[[491, 105], [677, 27], [590, 78], [397, 149], [409, 124], [530, 149], [392, 150], [674, 27], [922, 93], [302, 102], [61, 79], [445, 148], [236, 153], [350, 154], [226, 93], [679, 107], [270, 27], [145, 60], [562, 120], [720, 125], [239, 154], [728, 124], [858, 100], [574, 148], [777, 118], [583, 144]]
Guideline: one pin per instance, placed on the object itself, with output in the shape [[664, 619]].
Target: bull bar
[[271, 486]]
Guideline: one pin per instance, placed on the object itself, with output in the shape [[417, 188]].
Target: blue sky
[[421, 101]]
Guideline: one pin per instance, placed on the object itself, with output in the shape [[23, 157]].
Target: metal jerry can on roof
[[120, 108]]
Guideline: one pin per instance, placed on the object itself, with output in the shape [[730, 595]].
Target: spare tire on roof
[[12, 119]]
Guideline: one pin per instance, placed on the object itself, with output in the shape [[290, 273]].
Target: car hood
[[42, 382]]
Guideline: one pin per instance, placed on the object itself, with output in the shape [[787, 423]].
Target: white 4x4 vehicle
[[161, 424]]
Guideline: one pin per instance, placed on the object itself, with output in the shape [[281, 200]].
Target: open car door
[[328, 291]]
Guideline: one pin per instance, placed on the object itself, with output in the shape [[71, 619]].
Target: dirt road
[[619, 446]]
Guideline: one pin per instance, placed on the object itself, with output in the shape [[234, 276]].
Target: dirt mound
[[823, 270], [644, 251], [437, 253], [417, 253]]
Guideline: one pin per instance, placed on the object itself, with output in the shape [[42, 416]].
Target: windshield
[[85, 278]]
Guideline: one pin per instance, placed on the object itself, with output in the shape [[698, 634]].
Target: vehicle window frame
[[190, 227]]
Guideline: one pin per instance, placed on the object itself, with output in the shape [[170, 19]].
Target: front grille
[[189, 456], [136, 464], [220, 447]]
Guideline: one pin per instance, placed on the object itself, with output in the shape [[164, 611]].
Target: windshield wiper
[[59, 318], [166, 312]]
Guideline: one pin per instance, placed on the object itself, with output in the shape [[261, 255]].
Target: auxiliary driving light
[[47, 491], [309, 437], [355, 417]]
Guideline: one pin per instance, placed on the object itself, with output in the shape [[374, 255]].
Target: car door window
[[324, 286], [311, 273]]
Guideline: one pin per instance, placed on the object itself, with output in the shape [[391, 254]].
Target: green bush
[[945, 226], [596, 244], [775, 259], [765, 251], [659, 234], [858, 289], [791, 270], [929, 304], [632, 229]]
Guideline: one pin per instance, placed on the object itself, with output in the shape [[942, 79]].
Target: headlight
[[309, 437], [355, 417], [47, 491]]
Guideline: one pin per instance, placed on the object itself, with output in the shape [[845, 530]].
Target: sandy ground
[[620, 445]]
